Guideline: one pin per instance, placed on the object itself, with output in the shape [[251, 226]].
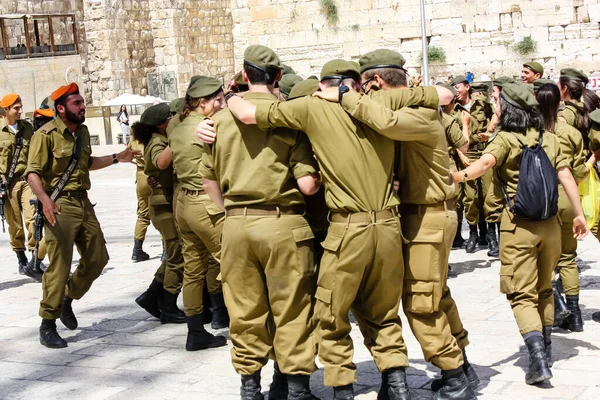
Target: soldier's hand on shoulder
[[484, 136], [205, 131], [331, 94], [465, 117]]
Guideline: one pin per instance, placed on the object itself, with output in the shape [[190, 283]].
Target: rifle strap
[[64, 177], [15, 159]]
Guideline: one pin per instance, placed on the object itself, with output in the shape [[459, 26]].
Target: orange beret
[[71, 88], [9, 100], [46, 112]]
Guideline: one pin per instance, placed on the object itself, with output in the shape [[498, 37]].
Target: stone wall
[[477, 35]]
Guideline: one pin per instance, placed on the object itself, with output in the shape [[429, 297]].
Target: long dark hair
[[142, 132], [125, 111], [548, 96], [577, 90], [191, 103], [515, 119]]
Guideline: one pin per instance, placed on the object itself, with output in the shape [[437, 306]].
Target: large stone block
[[446, 26], [480, 38], [556, 33]]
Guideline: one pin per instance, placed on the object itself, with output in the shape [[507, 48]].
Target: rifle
[[3, 194], [38, 224]]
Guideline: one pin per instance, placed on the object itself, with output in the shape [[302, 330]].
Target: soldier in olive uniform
[[286, 84], [69, 214], [267, 266], [16, 132], [528, 251], [143, 191], [160, 300], [531, 71], [199, 219], [364, 240], [594, 137]]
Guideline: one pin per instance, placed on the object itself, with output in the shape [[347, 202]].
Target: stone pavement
[[120, 352]]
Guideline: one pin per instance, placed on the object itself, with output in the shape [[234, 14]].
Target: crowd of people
[[286, 204]]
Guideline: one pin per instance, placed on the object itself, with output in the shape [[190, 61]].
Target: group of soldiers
[[285, 204]]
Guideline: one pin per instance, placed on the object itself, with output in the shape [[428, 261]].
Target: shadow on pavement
[[16, 283], [459, 268]]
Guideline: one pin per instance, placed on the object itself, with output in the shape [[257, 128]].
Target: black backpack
[[537, 189]]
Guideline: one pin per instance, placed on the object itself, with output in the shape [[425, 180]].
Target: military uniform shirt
[[571, 146], [454, 135], [570, 114], [187, 152], [480, 118], [135, 145], [153, 149], [8, 146], [50, 152], [594, 137], [507, 150], [255, 166]]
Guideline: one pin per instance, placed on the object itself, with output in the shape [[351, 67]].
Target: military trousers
[[200, 222], [143, 192], [75, 225], [17, 208], [567, 267], [428, 232], [362, 270], [170, 272], [475, 193], [269, 277], [494, 202], [528, 255]]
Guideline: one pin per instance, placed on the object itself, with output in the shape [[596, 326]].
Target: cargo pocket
[[305, 254], [422, 254], [323, 307], [334, 238], [158, 200], [418, 297], [506, 279]]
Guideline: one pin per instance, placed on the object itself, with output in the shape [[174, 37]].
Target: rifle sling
[[64, 177], [15, 160]]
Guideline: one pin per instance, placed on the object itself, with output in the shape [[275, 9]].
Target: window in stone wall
[[64, 35], [14, 38], [39, 36]]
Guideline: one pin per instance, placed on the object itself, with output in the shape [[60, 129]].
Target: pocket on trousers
[[418, 297], [323, 307], [158, 200], [302, 233], [506, 279], [334, 238], [422, 254]]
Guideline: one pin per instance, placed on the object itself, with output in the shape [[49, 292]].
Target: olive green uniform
[[428, 227], [199, 219], [143, 192], [570, 115], [455, 139], [528, 250], [50, 152], [170, 272], [363, 241], [268, 268], [571, 146], [594, 137], [19, 193]]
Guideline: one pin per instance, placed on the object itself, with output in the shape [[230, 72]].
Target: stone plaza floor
[[120, 352]]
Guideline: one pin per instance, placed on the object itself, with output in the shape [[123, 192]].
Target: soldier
[[160, 300], [475, 191], [364, 240], [15, 193], [143, 191], [58, 168], [268, 268], [531, 71], [528, 251], [594, 137], [286, 84], [199, 219]]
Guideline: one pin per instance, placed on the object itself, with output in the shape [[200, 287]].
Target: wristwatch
[[115, 160], [343, 89], [465, 176], [228, 96]]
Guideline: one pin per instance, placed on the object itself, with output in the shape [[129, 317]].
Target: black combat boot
[[198, 338], [539, 371], [22, 260], [149, 299], [492, 239], [343, 392], [279, 384], [473, 238], [454, 386], [574, 322], [394, 385], [169, 312], [250, 389], [547, 332], [220, 317], [30, 270], [483, 231], [207, 305], [138, 252], [67, 317], [458, 242], [299, 388], [49, 337], [36, 264], [469, 373], [561, 311]]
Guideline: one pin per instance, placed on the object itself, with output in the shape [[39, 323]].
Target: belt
[[76, 194], [164, 191], [363, 217], [422, 208], [477, 146], [264, 210], [193, 192]]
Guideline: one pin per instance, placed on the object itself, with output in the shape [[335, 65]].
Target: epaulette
[[47, 127]]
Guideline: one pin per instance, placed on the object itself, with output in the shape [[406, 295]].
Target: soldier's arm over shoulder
[[302, 160], [290, 114], [405, 97], [499, 148]]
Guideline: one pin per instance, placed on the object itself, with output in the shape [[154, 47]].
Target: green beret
[[459, 79], [503, 80], [313, 77], [450, 88], [535, 67], [175, 105], [340, 68], [519, 96], [204, 86], [287, 69], [538, 83], [381, 58], [595, 116], [480, 87], [304, 88], [262, 57], [155, 115], [287, 82], [574, 73]]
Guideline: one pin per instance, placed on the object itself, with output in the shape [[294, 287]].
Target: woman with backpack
[[528, 163]]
